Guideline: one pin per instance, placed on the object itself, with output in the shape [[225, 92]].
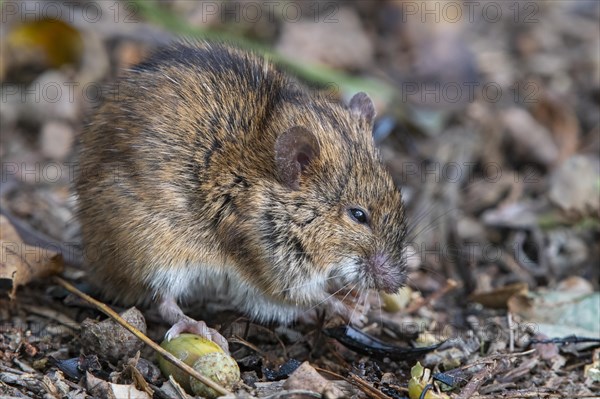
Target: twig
[[522, 394], [481, 377], [52, 314], [141, 336], [180, 391], [268, 330], [450, 285], [367, 388], [511, 333], [16, 371], [293, 392], [356, 381], [491, 359], [239, 340], [493, 365], [332, 374]]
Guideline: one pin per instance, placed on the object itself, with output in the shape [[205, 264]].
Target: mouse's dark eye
[[358, 215]]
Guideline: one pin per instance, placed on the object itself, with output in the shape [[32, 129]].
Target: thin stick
[[450, 285], [294, 392], [141, 336], [367, 388]]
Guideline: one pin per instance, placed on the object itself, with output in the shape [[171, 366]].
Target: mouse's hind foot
[[198, 327], [172, 313]]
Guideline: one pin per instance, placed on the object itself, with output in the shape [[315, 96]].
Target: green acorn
[[205, 357]]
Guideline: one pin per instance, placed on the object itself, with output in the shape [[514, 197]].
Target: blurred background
[[488, 117], [488, 112]]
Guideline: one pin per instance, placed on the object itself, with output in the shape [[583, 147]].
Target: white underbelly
[[204, 283]]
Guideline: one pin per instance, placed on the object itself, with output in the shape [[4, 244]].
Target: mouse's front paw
[[354, 315], [198, 327]]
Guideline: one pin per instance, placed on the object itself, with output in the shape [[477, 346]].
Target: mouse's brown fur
[[209, 169]]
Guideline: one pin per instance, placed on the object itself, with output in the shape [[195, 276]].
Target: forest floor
[[488, 117]]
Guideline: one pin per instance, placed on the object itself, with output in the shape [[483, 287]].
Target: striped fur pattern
[[180, 195]]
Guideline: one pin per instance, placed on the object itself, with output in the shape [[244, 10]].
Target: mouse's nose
[[387, 274]]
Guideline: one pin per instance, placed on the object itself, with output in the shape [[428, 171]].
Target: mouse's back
[[208, 165]]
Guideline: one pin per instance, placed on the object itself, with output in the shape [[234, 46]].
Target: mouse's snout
[[387, 273]]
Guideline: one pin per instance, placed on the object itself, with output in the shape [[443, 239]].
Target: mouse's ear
[[362, 106], [295, 149]]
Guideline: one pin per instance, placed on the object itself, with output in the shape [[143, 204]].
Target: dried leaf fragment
[[531, 138], [306, 377], [104, 389], [498, 298], [575, 185], [21, 263]]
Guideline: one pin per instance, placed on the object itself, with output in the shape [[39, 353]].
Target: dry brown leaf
[[498, 298], [575, 284], [138, 379], [306, 377], [560, 118], [545, 351], [574, 185], [21, 263], [532, 140], [559, 313], [104, 389], [53, 42]]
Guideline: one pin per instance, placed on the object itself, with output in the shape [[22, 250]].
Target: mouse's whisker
[[356, 305], [349, 291], [417, 219], [413, 286], [431, 271], [380, 309], [308, 284], [422, 214], [330, 296], [428, 226]]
